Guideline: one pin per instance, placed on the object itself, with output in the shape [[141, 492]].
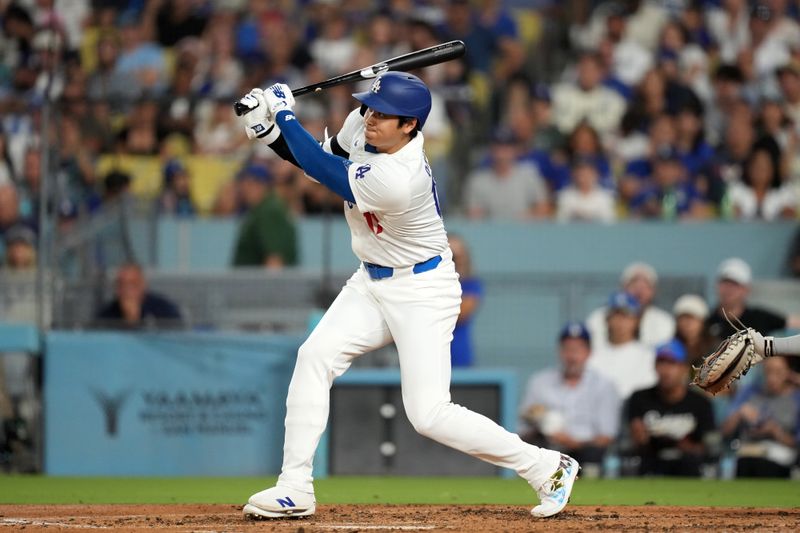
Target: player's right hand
[[258, 121]]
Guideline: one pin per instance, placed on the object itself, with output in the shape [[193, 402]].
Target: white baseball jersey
[[396, 221]]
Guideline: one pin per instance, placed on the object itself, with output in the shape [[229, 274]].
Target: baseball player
[[406, 290]]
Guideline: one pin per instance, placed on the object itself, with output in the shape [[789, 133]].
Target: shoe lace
[[556, 481]]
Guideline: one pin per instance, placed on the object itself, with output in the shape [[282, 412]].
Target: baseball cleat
[[554, 494], [280, 502]]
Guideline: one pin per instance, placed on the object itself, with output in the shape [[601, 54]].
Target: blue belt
[[381, 272]]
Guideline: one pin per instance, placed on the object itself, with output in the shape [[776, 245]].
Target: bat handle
[[240, 109]]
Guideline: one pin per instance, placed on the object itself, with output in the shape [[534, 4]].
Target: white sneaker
[[280, 502], [554, 494]]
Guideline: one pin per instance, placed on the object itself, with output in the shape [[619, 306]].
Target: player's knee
[[424, 420]]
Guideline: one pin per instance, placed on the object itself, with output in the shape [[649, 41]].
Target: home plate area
[[452, 518]]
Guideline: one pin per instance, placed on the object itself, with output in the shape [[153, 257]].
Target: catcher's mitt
[[732, 359]]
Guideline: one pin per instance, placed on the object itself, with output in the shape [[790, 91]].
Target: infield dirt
[[351, 518]]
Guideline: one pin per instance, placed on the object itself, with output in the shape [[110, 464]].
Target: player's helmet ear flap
[[398, 93]]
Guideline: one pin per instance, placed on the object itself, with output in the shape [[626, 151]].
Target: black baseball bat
[[413, 60]]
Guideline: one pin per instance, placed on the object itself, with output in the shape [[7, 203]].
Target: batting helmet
[[398, 93]]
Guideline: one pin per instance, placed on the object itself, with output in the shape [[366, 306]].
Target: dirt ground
[[351, 518]]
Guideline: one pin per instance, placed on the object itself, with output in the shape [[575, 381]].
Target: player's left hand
[[279, 98], [258, 121]]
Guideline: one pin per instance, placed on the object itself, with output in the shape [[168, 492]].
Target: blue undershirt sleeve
[[328, 169]]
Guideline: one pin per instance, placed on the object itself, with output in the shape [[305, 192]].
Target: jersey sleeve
[[379, 187], [341, 143]]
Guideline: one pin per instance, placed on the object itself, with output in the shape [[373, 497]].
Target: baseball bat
[[413, 60]]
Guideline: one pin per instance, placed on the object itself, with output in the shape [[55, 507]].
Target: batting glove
[[279, 98], [258, 123]]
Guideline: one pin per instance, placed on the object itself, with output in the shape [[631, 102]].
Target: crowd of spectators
[[607, 110], [645, 417]]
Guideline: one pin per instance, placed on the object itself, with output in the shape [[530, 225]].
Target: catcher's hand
[[732, 359]]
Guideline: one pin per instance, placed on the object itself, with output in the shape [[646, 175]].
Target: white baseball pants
[[418, 312]]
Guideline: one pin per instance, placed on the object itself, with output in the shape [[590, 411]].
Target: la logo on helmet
[[376, 85]]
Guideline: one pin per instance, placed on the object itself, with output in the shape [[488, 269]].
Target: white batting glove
[[258, 123], [279, 98]]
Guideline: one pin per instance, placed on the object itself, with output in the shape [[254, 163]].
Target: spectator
[[461, 349], [690, 312], [20, 248], [116, 185], [119, 89], [734, 279], [670, 424], [656, 325], [508, 189], [623, 360], [176, 196], [554, 409], [671, 195], [140, 60], [587, 99], [134, 307], [8, 174], [761, 194], [766, 419], [584, 200], [267, 233], [9, 208]]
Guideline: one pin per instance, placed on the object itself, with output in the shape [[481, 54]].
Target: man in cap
[[624, 360], [656, 325], [267, 234], [734, 279], [669, 424], [554, 411], [20, 254], [690, 312]]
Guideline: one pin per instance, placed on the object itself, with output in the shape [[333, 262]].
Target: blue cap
[[172, 169], [541, 91], [398, 93], [503, 135], [257, 173], [624, 301], [574, 330], [673, 350]]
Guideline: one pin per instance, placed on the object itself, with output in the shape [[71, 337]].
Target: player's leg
[[352, 326], [421, 313]]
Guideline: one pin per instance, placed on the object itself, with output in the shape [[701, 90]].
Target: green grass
[[54, 490]]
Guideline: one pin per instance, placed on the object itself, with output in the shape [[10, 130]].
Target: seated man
[[134, 306], [623, 360], [554, 411], [669, 423], [766, 419]]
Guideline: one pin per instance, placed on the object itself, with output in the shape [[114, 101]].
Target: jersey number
[[372, 222]]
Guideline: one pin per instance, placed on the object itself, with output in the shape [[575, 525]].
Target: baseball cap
[[736, 270], [574, 330], [690, 304], [672, 350], [503, 136], [172, 169], [257, 173], [636, 269], [20, 233], [623, 301]]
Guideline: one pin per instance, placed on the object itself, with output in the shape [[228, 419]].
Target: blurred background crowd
[[579, 110]]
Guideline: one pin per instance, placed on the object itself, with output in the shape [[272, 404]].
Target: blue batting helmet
[[398, 93]]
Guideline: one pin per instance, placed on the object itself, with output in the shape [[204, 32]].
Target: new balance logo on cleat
[[286, 502]]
